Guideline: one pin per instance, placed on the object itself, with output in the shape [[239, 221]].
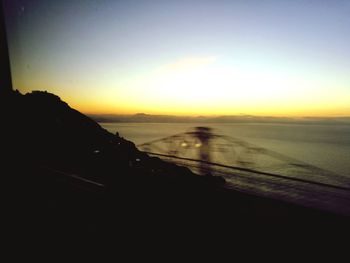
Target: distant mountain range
[[142, 117]]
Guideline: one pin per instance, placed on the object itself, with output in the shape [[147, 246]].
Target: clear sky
[[185, 57]]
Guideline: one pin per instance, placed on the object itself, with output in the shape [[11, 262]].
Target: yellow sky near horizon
[[204, 86], [196, 86]]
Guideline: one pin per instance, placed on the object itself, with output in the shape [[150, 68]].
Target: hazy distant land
[[142, 117]]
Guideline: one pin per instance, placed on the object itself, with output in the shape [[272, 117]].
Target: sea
[[319, 154]]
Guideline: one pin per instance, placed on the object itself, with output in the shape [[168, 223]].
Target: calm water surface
[[325, 146]]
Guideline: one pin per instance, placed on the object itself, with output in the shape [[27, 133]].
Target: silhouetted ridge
[[50, 133]]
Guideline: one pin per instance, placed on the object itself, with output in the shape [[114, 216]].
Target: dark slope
[[65, 176]]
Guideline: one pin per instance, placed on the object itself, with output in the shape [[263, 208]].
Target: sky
[[257, 57]]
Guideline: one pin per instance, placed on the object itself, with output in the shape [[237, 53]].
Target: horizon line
[[216, 116]]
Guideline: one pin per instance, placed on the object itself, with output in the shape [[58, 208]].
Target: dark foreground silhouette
[[66, 178]]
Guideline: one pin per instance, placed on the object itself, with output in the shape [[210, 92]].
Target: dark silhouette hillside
[[65, 176], [56, 156]]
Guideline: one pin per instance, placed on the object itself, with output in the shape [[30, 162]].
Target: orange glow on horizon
[[199, 86]]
